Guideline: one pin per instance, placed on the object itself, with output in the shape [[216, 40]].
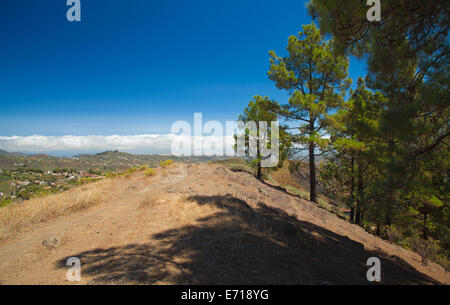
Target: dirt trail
[[204, 224]]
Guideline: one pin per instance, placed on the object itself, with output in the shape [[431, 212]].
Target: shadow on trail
[[242, 245]]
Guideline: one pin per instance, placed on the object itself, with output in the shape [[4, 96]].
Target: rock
[[52, 242], [263, 192]]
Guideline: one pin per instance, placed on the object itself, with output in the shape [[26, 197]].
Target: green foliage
[[143, 167], [237, 164], [85, 180], [92, 172], [315, 76], [259, 109], [111, 175], [149, 172], [132, 170], [5, 202], [394, 137], [166, 163]]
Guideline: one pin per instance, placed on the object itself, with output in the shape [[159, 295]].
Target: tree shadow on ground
[[242, 245]]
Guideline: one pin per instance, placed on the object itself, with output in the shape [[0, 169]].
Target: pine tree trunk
[[358, 214], [258, 153], [352, 190], [388, 212], [312, 164], [425, 233], [359, 198], [312, 174], [388, 219]]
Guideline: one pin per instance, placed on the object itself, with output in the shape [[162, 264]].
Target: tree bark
[[358, 214], [359, 197], [352, 190], [388, 219], [258, 153], [312, 165], [425, 232], [312, 174]]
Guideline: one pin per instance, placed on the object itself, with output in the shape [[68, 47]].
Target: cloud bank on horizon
[[145, 143]]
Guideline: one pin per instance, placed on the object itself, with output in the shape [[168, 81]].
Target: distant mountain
[[108, 160]]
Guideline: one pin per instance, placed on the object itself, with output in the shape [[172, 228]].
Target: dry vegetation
[[149, 199], [194, 224], [15, 217]]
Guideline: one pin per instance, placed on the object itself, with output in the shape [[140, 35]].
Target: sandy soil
[[204, 224]]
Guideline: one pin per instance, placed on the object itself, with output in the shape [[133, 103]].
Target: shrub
[[143, 167], [166, 163], [131, 170], [443, 261], [111, 175], [392, 234], [149, 199], [5, 201], [427, 249], [149, 172]]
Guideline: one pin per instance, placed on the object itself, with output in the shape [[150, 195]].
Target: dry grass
[[15, 217], [149, 199]]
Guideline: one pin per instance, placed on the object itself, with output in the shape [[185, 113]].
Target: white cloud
[[146, 143]]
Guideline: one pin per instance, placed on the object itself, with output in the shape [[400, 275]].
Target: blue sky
[[136, 66]]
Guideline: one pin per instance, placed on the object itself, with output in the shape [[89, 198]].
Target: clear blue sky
[[136, 66]]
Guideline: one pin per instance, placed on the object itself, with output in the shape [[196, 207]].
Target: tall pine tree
[[316, 79]]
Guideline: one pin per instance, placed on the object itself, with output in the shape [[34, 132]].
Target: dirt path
[[204, 224]]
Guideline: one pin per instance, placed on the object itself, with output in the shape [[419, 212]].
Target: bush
[[5, 201], [166, 163], [149, 200], [132, 170], [149, 172], [392, 234], [111, 175], [427, 249], [443, 261], [143, 168]]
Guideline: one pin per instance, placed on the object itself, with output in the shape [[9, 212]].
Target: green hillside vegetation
[[384, 143]]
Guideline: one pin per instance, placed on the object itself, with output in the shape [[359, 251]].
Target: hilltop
[[196, 223], [25, 176]]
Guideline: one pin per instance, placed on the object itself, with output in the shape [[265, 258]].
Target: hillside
[[193, 224], [25, 176], [108, 160]]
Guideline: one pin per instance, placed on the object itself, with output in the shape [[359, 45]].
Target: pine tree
[[407, 54], [316, 80], [353, 133], [259, 110]]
